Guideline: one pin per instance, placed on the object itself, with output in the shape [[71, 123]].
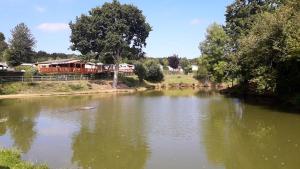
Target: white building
[[28, 64], [195, 68], [124, 67], [3, 66], [179, 69]]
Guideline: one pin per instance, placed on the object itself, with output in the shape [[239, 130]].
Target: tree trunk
[[116, 73]]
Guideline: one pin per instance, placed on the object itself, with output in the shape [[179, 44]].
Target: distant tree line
[[258, 48], [20, 48]]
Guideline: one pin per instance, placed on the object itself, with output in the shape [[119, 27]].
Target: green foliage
[[3, 46], [129, 81], [21, 45], [12, 159], [29, 71], [269, 55], [154, 73], [260, 47], [241, 14], [186, 65], [41, 56], [164, 62], [220, 71], [113, 31], [212, 62], [173, 61], [76, 87], [11, 88], [202, 74], [140, 71]]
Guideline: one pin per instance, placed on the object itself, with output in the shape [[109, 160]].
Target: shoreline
[[90, 92]]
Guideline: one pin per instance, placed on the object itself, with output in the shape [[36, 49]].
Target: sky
[[178, 25]]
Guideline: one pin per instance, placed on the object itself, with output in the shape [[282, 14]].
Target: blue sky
[[178, 25]]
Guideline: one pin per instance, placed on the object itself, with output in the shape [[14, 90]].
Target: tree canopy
[[259, 47], [213, 50], [21, 45], [3, 46], [113, 30], [173, 61]]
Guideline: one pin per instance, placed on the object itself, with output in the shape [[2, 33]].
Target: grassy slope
[[50, 87], [175, 79], [12, 159], [78, 86]]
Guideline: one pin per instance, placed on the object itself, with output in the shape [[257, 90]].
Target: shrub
[[129, 81], [202, 74], [76, 87], [29, 71], [12, 159], [187, 69], [173, 61], [10, 88], [140, 71], [154, 73]]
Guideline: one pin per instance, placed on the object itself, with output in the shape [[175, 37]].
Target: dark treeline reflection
[[18, 116], [154, 129], [237, 135], [203, 92], [114, 137]]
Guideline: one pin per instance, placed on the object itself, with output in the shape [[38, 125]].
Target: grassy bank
[[11, 159], [180, 78], [169, 79], [126, 84], [55, 87]]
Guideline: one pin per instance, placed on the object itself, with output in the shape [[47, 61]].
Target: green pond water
[[185, 129]]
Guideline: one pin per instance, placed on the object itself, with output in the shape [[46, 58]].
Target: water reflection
[[20, 121], [116, 141], [238, 135], [152, 130]]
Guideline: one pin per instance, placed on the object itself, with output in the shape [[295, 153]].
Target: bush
[[140, 71], [187, 69], [173, 61], [11, 88], [129, 81], [29, 71], [76, 87], [12, 159], [154, 74], [202, 74]]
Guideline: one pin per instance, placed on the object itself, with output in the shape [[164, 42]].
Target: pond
[[180, 129]]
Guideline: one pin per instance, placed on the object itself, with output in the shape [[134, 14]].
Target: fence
[[4, 79]]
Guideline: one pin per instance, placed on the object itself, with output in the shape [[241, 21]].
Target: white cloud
[[40, 9], [195, 21], [53, 27]]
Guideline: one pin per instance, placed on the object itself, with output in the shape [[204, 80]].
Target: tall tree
[[271, 51], [173, 61], [21, 45], [113, 30], [213, 48], [186, 65], [241, 14], [3, 46]]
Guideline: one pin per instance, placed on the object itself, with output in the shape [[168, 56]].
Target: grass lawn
[[11, 159], [180, 78]]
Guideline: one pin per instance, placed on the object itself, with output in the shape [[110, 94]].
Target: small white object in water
[[3, 120], [87, 108]]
